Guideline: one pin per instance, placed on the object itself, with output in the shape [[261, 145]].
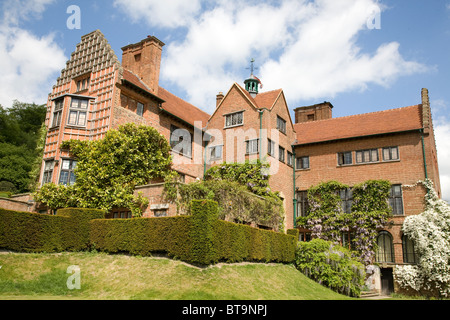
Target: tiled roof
[[182, 109], [263, 99], [381, 122], [267, 99], [170, 103]]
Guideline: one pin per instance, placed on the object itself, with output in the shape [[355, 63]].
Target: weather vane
[[252, 68]]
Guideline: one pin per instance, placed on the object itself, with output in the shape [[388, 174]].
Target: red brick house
[[96, 93]]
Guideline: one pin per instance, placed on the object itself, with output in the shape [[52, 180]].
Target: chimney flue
[[219, 98]]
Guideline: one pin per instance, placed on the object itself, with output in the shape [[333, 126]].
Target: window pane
[[65, 164], [359, 156], [374, 154], [140, 109], [72, 178], [386, 154], [394, 153], [63, 178], [82, 119], [84, 104], [219, 151], [305, 162], [72, 117], [366, 156]]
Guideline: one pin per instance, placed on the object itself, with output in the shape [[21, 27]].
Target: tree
[[21, 131], [108, 170]]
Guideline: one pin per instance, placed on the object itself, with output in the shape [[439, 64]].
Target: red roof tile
[[182, 109], [263, 99], [388, 121], [172, 104]]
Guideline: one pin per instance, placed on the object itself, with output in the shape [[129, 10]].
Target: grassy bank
[[103, 276]]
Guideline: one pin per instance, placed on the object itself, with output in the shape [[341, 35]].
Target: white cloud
[[442, 135], [324, 59], [308, 48], [28, 63], [170, 14]]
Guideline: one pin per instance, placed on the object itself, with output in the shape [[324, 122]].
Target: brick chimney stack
[[219, 98], [144, 60], [320, 111]]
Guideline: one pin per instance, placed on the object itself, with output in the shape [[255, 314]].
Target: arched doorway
[[385, 254]]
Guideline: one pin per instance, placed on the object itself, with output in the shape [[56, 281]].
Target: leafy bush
[[108, 170], [330, 265]]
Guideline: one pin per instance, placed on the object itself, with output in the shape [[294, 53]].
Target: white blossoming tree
[[430, 233]]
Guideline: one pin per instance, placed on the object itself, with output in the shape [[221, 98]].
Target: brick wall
[[233, 139], [406, 171]]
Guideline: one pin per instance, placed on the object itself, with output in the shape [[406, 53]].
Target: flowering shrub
[[330, 265], [430, 233]]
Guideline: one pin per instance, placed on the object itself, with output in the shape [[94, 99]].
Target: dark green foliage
[[204, 215], [34, 232], [330, 265], [143, 236], [255, 176], [21, 128], [237, 242], [236, 203], [199, 238], [241, 190]]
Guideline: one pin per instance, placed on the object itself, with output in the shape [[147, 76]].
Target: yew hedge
[[200, 238], [33, 232]]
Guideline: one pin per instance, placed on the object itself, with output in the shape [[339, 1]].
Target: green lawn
[[123, 277]]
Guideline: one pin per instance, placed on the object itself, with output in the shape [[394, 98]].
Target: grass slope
[[103, 276]]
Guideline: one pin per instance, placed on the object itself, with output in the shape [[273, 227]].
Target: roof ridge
[[360, 114]]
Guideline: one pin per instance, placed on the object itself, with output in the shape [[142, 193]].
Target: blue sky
[[362, 55]]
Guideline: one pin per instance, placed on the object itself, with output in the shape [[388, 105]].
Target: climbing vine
[[370, 211], [241, 189]]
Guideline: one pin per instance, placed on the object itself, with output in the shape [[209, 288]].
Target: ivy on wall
[[328, 220]]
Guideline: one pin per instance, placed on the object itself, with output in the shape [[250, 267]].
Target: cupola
[[252, 83]]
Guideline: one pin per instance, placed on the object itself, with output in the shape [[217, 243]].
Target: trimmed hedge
[[200, 238], [34, 232], [142, 236]]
